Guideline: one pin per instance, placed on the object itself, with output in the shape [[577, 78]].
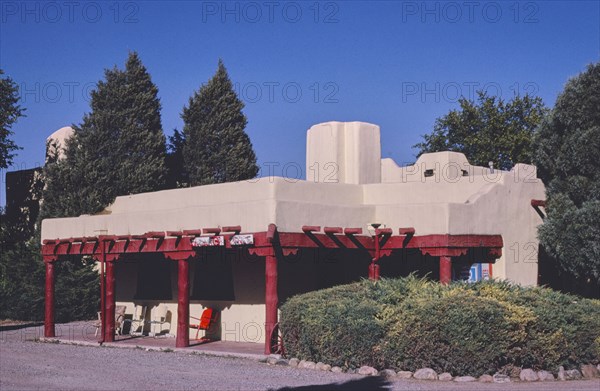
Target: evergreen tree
[[21, 276], [568, 160], [488, 130], [119, 148], [217, 149], [10, 111], [175, 165]]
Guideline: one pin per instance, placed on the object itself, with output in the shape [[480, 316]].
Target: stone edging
[[587, 371]]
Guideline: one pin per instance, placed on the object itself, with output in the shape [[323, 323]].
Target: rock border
[[586, 372]]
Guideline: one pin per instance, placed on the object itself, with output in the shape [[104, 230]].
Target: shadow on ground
[[19, 326], [367, 383]]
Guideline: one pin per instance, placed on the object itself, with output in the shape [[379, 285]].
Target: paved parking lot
[[29, 365]]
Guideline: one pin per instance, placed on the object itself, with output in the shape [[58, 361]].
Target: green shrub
[[333, 325], [472, 329], [563, 328]]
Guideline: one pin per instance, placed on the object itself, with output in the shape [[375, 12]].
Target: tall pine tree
[[10, 111], [177, 174], [119, 148], [217, 149]]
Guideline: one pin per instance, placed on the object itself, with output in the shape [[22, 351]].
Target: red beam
[[271, 232], [353, 231], [311, 228], [192, 232], [285, 239], [234, 228], [215, 231], [407, 231], [383, 231], [538, 203], [175, 233], [333, 230], [155, 234]]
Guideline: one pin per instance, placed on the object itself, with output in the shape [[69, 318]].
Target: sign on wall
[[479, 271], [205, 241], [242, 240]]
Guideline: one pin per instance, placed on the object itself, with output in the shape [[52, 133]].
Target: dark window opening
[[213, 277], [465, 173], [154, 279], [428, 173]]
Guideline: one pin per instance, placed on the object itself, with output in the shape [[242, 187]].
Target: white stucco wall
[[349, 185], [343, 152]]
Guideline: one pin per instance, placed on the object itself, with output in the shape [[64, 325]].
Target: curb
[[217, 353]]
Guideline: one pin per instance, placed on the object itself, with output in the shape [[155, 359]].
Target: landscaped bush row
[[464, 329]]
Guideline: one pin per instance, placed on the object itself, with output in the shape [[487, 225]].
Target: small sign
[[242, 240], [206, 241], [478, 272], [485, 271]]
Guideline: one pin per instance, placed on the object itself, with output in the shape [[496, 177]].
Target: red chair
[[206, 321]]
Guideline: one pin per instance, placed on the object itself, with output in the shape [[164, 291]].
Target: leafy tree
[[10, 111], [217, 149], [488, 130], [119, 148], [568, 160]]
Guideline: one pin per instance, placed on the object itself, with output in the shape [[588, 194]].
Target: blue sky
[[398, 64]]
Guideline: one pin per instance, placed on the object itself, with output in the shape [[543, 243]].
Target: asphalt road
[[29, 365]]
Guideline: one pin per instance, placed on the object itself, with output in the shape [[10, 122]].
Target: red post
[[271, 299], [445, 270], [374, 267], [373, 271], [49, 302], [109, 302], [183, 304]]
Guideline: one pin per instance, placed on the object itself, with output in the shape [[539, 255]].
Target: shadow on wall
[[367, 383]]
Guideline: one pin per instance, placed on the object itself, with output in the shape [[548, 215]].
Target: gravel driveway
[[29, 365]]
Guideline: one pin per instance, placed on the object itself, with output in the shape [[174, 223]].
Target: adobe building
[[243, 248]]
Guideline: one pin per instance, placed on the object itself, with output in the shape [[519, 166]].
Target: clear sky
[[398, 64]]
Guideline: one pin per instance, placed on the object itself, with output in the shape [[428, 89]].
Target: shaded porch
[[270, 247]]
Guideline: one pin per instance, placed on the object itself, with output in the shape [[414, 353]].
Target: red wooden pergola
[[270, 244]]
